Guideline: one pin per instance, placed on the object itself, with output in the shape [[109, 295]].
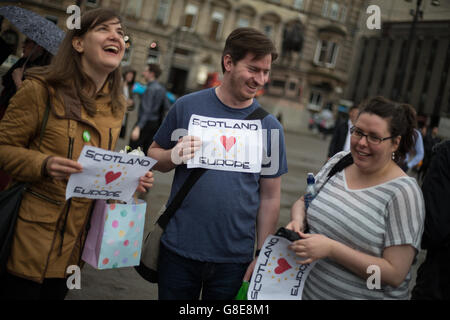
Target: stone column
[[204, 18], [229, 23]]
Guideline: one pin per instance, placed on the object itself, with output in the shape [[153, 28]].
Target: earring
[[393, 155]]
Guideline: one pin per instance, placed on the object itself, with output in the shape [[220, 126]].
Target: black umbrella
[[42, 31]]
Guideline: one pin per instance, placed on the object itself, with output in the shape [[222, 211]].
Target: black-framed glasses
[[357, 133]]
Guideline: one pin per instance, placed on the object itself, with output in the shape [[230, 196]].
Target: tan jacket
[[50, 232]]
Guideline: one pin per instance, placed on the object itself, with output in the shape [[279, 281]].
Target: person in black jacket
[[433, 276], [341, 136]]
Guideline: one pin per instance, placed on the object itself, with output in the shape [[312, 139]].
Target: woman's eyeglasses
[[357, 133]]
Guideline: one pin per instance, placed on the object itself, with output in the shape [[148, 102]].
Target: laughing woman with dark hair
[[83, 89], [369, 216]]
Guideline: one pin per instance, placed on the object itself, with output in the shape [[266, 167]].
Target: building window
[[52, 19], [190, 16], [334, 12], [298, 4], [162, 15], [268, 29], [133, 8], [216, 25], [153, 53], [126, 61], [92, 3], [343, 14], [243, 22], [326, 53], [325, 8], [278, 84], [315, 101]]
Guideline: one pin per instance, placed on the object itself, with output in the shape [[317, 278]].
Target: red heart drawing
[[111, 176], [228, 143], [283, 266]]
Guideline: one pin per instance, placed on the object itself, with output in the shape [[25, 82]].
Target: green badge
[[86, 136]]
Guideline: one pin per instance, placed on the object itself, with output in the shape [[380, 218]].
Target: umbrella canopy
[[42, 31]]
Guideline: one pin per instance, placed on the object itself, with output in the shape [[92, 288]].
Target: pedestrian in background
[[154, 105], [83, 87], [208, 245], [368, 214], [416, 154], [33, 55], [430, 139], [433, 277], [129, 78], [341, 135]]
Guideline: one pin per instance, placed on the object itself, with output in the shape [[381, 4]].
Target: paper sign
[[107, 175], [277, 276], [227, 144]]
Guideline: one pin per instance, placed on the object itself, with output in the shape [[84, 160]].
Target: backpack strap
[[193, 177]]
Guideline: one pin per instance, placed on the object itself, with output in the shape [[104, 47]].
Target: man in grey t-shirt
[[208, 244]]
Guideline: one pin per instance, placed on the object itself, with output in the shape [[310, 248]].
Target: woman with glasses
[[366, 221]]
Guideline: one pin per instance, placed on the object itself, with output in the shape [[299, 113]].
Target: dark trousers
[[15, 288], [146, 136], [433, 276], [180, 278]]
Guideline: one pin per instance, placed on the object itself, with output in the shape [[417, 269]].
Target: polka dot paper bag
[[114, 239]]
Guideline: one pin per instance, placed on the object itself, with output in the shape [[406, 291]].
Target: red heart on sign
[[228, 143], [111, 176], [283, 266]]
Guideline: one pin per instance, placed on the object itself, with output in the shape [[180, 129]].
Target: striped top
[[367, 220]]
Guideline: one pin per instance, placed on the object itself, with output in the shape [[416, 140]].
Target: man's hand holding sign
[[227, 144]]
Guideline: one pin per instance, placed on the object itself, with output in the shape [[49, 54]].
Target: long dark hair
[[66, 69], [401, 119], [124, 76]]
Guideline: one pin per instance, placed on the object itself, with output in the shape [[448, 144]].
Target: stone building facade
[[187, 37], [404, 66]]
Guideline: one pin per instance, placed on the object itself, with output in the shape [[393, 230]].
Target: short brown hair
[[244, 40], [155, 68]]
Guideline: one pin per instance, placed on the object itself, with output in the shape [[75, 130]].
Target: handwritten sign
[[107, 175], [227, 144], [277, 276]]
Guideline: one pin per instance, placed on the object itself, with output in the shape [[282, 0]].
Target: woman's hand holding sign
[[61, 168], [145, 182], [312, 247], [185, 149]]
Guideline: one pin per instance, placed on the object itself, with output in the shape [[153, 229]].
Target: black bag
[[148, 268], [10, 200], [9, 203]]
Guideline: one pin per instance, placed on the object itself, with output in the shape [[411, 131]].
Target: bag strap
[[193, 177], [339, 166]]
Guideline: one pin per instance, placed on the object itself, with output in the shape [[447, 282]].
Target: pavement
[[306, 152]]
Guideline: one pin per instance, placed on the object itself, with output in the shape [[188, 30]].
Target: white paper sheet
[[277, 276], [107, 175], [227, 144]]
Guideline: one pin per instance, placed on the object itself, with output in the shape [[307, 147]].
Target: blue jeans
[[180, 278]]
